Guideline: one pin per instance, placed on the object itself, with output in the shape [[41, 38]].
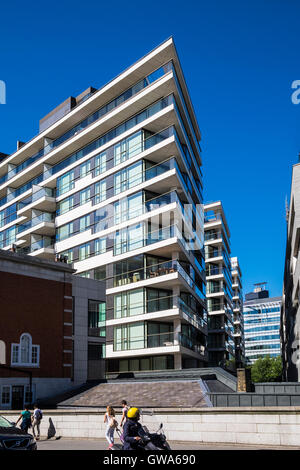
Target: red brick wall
[[36, 306]]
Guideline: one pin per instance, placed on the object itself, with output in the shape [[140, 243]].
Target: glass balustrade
[[45, 217], [44, 192], [189, 343], [154, 271], [146, 341], [45, 242]]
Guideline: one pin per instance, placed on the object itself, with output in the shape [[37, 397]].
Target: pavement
[[101, 444]]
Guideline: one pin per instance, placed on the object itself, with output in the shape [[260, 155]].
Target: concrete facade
[[267, 426], [85, 367]]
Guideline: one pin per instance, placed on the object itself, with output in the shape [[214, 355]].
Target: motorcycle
[[153, 441], [148, 441]]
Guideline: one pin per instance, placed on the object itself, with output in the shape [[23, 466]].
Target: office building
[[221, 346], [113, 183], [261, 324]]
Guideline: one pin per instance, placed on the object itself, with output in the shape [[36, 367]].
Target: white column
[[176, 294], [176, 329], [177, 361]]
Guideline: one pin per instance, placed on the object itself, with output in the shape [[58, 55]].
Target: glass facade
[[262, 328]]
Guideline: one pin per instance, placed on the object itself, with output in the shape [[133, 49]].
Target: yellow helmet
[[133, 413]]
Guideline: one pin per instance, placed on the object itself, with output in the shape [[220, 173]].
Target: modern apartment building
[[290, 310], [238, 319], [262, 324], [113, 182], [221, 346]]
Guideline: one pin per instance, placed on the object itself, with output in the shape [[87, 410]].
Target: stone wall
[[271, 426]]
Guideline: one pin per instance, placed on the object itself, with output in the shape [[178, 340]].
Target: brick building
[[45, 347]]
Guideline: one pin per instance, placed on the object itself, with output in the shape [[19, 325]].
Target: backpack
[[113, 422], [39, 415]]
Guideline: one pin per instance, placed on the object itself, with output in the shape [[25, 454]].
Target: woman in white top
[[112, 424]]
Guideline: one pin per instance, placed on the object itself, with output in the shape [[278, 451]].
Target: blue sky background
[[239, 60]]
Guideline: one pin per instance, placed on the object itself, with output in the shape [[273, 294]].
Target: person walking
[[125, 409], [36, 421], [111, 425], [25, 416]]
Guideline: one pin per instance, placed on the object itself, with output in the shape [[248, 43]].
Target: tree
[[267, 369]]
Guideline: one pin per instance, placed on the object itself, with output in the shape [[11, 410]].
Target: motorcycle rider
[[132, 429]]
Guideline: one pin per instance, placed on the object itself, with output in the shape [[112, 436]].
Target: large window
[[65, 206], [84, 251], [85, 168], [5, 395], [100, 191], [100, 246], [129, 303], [129, 238], [100, 163], [159, 334], [84, 222], [158, 299], [96, 318], [131, 336], [25, 353], [65, 231], [11, 235], [65, 183], [128, 208], [128, 177], [128, 148], [85, 196]]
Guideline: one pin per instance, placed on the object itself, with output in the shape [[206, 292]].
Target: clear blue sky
[[239, 60]]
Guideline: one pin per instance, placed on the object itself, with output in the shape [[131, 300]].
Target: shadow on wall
[[51, 429]]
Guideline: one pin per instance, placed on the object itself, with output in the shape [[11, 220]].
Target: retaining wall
[[272, 426]]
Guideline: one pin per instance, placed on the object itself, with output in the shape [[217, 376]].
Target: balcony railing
[[188, 343], [212, 235], [154, 271], [191, 314], [45, 217], [158, 340], [148, 341], [44, 192], [159, 304], [45, 242], [113, 133]]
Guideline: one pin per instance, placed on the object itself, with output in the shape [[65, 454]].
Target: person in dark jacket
[[132, 428]]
